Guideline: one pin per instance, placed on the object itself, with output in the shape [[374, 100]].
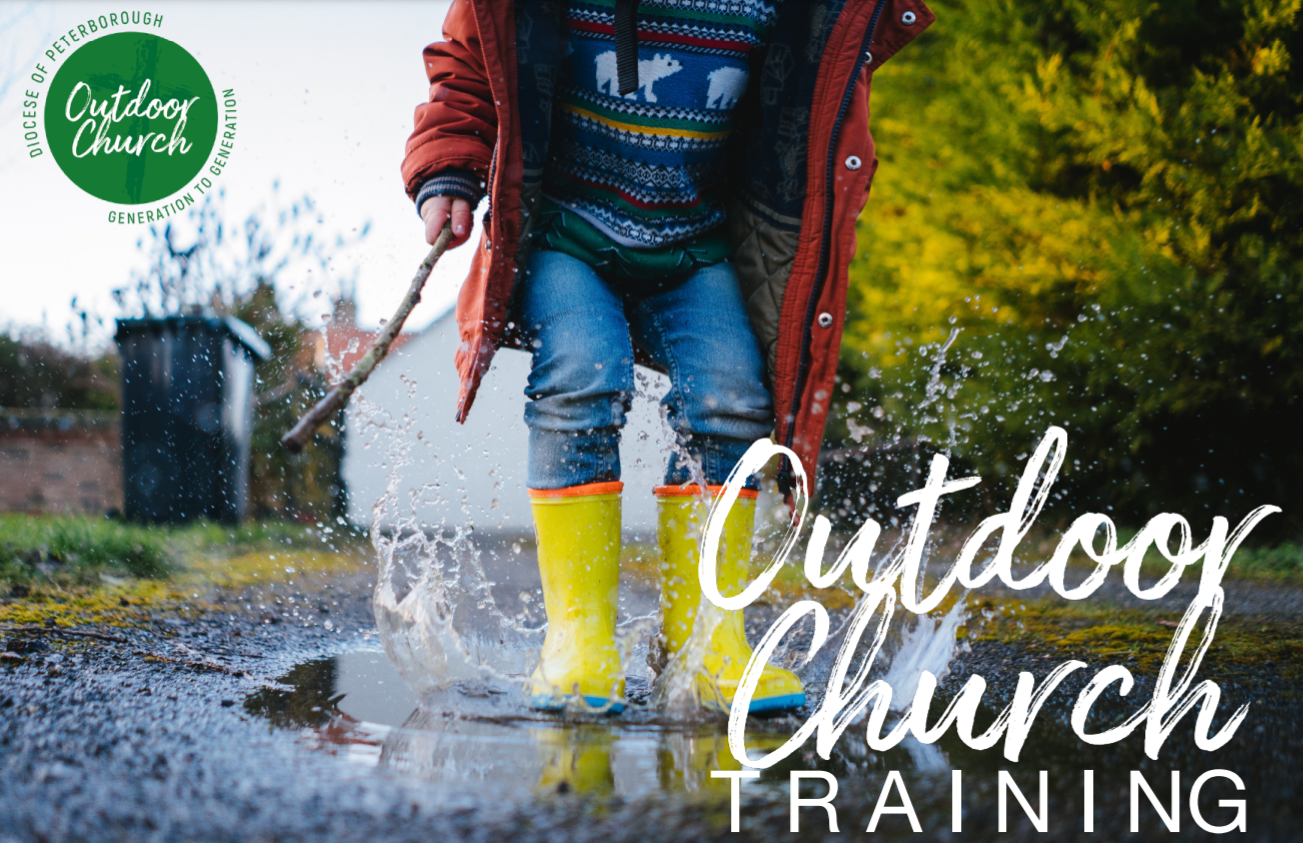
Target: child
[[672, 181]]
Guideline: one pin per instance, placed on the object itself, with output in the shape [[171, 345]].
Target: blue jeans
[[582, 331]]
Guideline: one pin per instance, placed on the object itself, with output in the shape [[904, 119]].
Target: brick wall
[[60, 461]]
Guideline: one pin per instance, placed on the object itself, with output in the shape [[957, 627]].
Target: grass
[[84, 547], [1283, 562], [73, 570], [81, 570], [1280, 564]]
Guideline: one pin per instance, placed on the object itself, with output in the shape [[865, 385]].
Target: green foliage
[[34, 374], [1283, 562], [74, 550], [209, 539], [281, 483], [1104, 200], [86, 546]]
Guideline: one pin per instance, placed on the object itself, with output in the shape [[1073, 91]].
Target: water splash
[[458, 638], [926, 643], [447, 627]]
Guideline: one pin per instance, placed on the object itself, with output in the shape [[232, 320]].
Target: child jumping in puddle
[[674, 182]]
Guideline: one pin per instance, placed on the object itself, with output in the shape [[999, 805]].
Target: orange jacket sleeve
[[458, 127]]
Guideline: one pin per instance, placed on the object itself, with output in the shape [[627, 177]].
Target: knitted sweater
[[633, 184]]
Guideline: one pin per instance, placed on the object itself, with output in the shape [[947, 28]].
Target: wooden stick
[[298, 437]]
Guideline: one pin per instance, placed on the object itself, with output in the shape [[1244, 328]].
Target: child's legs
[[581, 380], [718, 403]]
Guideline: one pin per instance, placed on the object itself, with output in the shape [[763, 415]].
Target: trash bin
[[187, 413]]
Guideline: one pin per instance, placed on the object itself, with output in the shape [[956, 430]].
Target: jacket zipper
[[488, 189], [803, 370]]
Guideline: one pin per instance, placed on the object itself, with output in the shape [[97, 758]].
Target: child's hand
[[437, 209]]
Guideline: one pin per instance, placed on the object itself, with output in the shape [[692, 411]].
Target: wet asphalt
[[188, 729]]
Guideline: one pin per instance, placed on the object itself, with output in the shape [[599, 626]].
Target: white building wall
[[472, 473]]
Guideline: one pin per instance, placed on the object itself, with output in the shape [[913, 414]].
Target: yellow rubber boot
[[576, 760], [682, 520], [578, 531]]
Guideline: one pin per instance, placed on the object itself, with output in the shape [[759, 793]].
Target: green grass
[[226, 540], [1283, 562], [37, 550], [82, 546]]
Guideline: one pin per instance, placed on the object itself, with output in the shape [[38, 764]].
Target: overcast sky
[[326, 92]]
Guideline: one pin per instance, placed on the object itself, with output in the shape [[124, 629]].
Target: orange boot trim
[[692, 490], [612, 487]]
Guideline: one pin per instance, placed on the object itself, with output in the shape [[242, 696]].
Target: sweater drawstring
[[626, 45]]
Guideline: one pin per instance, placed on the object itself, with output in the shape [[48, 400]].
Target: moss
[[1098, 632], [127, 604], [87, 586], [133, 602], [272, 566]]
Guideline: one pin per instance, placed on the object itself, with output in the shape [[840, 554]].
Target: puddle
[[357, 705], [484, 746], [361, 685]]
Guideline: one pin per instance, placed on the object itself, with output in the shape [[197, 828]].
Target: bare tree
[[205, 260]]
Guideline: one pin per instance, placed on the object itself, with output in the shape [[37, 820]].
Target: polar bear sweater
[[633, 184]]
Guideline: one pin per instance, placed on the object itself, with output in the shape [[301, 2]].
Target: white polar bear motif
[[726, 87], [649, 72]]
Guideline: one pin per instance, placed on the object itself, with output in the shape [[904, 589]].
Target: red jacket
[[802, 176]]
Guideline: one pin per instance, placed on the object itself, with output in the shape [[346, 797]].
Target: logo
[[131, 117]]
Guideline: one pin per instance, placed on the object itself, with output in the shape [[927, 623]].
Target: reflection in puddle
[[519, 759], [490, 749], [358, 706]]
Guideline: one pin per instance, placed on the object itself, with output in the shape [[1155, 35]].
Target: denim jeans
[[582, 331]]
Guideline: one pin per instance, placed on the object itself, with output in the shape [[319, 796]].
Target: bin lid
[[242, 332]]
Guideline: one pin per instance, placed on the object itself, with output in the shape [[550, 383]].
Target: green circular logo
[[131, 118]]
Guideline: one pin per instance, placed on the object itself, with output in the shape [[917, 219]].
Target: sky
[[326, 92]]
